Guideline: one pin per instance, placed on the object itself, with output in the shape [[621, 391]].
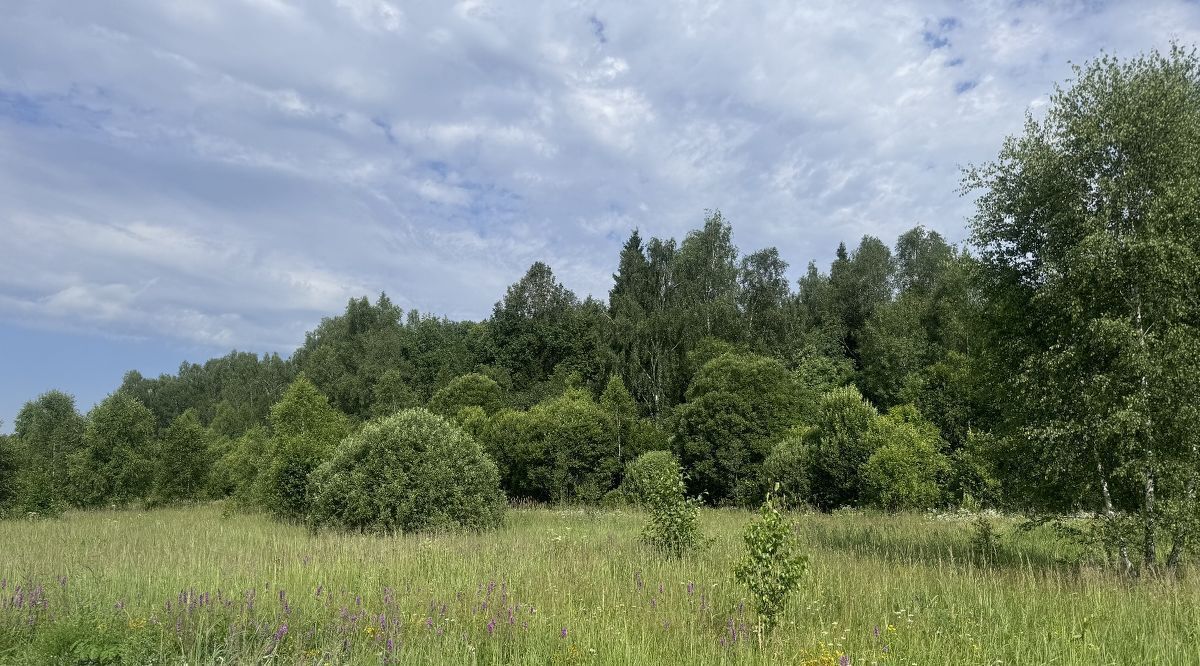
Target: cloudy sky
[[179, 178]]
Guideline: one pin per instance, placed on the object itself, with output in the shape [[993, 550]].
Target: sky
[[182, 178]]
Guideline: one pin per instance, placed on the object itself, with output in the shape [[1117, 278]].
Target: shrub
[[789, 465], [737, 406], [840, 446], [235, 471], [509, 438], [470, 390], [305, 430], [773, 564], [906, 469], [984, 540], [407, 472], [656, 481], [577, 447]]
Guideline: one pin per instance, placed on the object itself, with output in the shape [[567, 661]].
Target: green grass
[[106, 578]]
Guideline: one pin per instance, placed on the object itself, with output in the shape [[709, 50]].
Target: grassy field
[[564, 587]]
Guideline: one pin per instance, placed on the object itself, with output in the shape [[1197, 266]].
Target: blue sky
[[181, 178]]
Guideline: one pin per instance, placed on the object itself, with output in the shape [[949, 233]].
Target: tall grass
[[564, 586]]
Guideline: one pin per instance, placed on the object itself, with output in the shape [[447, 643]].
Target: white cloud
[[228, 172]]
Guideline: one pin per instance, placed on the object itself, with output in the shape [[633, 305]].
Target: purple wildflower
[[563, 633], [491, 626], [844, 660]]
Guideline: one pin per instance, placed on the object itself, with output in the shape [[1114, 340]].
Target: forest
[[1047, 370]]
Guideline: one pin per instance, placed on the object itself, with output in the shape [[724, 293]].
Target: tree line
[[1051, 367]]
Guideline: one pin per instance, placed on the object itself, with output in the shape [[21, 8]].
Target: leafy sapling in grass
[[984, 540], [772, 566], [657, 482]]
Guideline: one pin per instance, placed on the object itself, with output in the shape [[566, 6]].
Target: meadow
[[567, 586]]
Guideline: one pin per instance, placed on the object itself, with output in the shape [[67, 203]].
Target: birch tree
[[1089, 235]]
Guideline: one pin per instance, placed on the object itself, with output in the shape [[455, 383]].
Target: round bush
[[790, 465], [408, 472], [651, 475], [906, 469]]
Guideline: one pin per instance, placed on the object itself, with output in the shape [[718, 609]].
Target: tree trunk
[[1149, 521], [1111, 516], [1181, 532], [1149, 547]]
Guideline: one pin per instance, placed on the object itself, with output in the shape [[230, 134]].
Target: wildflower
[[563, 633], [844, 660], [491, 626], [281, 632]]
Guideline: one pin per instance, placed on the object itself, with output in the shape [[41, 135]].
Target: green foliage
[[47, 432], [973, 471], [183, 461], [115, 465], [305, 430], [408, 472], [772, 566], [840, 447], [568, 448], [470, 390], [25, 489], [762, 299], [907, 470], [738, 405], [236, 469], [789, 466], [232, 393], [984, 539], [534, 328], [1090, 272], [634, 435], [508, 437], [577, 445], [349, 357], [392, 393], [656, 482], [8, 471]]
